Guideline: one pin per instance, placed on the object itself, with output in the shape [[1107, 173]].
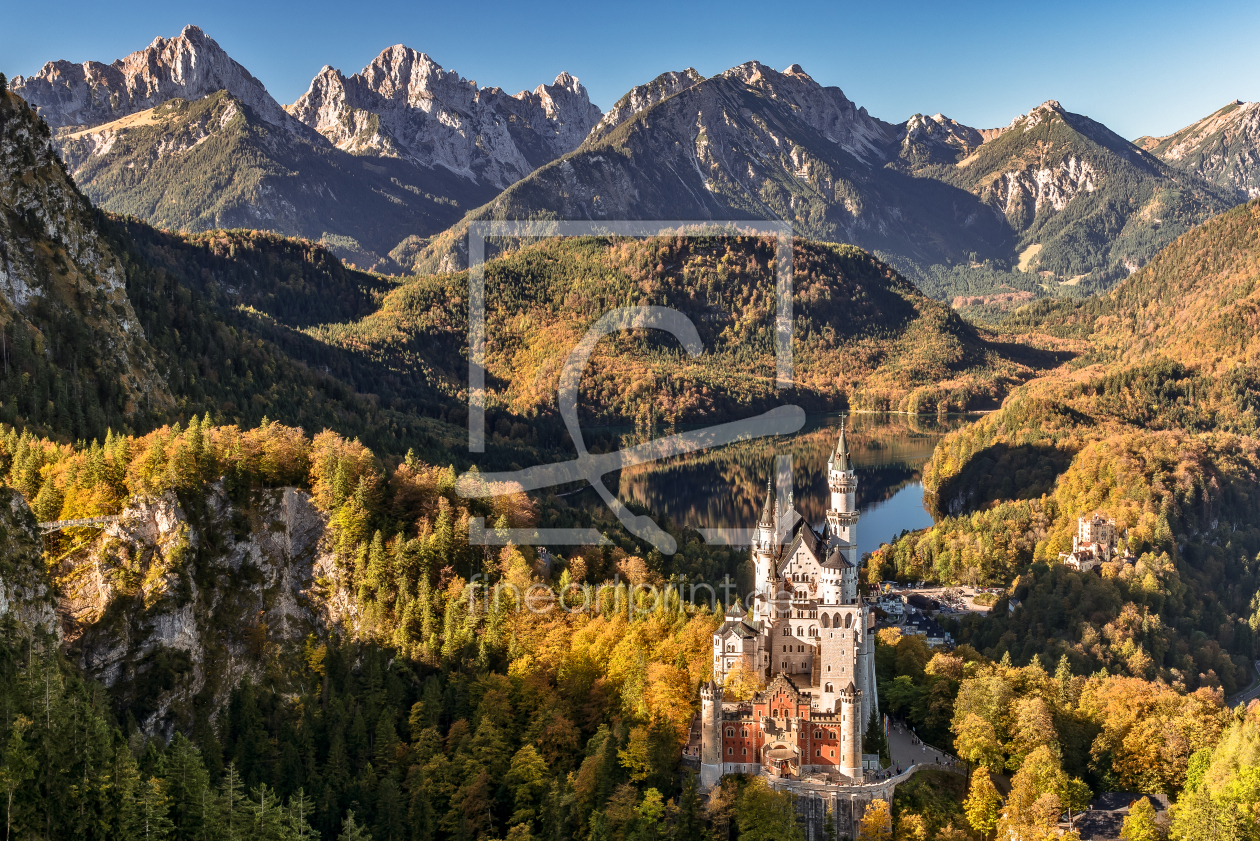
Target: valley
[[242, 587]]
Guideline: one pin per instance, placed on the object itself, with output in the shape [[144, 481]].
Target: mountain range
[[387, 166]]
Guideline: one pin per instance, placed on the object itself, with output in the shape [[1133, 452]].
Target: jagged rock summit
[[189, 66], [404, 104], [1223, 148]]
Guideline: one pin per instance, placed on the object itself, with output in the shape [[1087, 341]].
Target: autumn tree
[[876, 823]]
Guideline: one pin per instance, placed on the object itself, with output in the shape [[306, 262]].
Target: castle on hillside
[[1094, 543], [809, 638]]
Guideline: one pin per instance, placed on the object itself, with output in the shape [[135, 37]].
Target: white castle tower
[[842, 516]]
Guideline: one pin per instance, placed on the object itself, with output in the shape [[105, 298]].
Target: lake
[[724, 487]]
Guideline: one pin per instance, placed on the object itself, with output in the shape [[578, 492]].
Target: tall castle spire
[[842, 516], [840, 458]]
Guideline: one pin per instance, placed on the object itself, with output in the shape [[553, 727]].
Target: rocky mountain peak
[[189, 66], [404, 104], [1223, 148], [937, 139], [825, 109], [642, 97]]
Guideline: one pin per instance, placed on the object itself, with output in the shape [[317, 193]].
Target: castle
[[809, 637], [1093, 544]]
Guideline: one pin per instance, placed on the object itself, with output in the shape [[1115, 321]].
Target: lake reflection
[[725, 486]]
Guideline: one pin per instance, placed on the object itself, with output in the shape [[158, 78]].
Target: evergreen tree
[[874, 741], [298, 813], [351, 831]]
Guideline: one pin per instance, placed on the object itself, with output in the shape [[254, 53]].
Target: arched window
[[826, 623], [832, 735], [817, 734], [745, 751], [787, 630], [730, 751], [848, 620], [744, 733], [730, 731], [828, 688], [835, 620]]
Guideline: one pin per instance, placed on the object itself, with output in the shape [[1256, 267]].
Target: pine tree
[[386, 742], [234, 818], [298, 814], [390, 821], [188, 786], [265, 815], [149, 819], [351, 831], [874, 741], [1063, 677]]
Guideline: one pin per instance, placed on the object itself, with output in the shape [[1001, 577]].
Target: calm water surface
[[725, 486]]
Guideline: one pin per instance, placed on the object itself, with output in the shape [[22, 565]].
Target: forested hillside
[[286, 633], [1159, 433]]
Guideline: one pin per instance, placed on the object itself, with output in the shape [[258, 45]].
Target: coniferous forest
[[269, 620]]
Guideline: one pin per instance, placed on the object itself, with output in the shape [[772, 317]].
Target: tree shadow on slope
[[999, 472]]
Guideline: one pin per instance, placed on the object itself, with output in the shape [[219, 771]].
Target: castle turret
[[849, 705], [842, 515], [710, 735], [763, 550]]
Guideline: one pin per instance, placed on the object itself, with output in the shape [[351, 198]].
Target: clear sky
[[1140, 68]]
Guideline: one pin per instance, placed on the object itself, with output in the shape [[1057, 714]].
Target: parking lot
[[953, 600]]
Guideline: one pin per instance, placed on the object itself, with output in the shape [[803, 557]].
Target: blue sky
[[1141, 68]]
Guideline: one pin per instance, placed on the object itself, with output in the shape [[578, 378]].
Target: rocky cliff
[[404, 104], [27, 600], [172, 603], [189, 66], [62, 288], [1223, 148]]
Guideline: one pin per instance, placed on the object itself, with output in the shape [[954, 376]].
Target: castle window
[[835, 620], [817, 753], [828, 686], [832, 735], [848, 620], [730, 731], [833, 754], [745, 751], [825, 622], [817, 734], [744, 733], [787, 631], [730, 751]]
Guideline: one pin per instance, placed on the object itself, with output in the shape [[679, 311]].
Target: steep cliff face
[[169, 604], [62, 288], [27, 598], [404, 104], [189, 66], [1223, 148]]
